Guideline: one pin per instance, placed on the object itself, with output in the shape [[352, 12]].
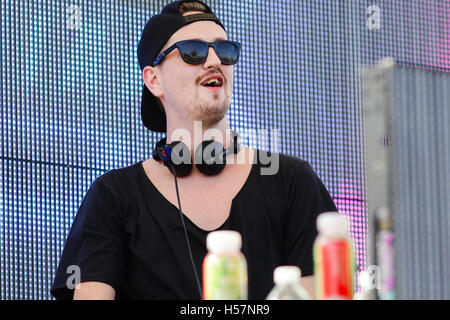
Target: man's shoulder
[[120, 178], [292, 162], [287, 164]]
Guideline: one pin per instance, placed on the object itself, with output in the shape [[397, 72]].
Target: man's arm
[[93, 290], [308, 284]]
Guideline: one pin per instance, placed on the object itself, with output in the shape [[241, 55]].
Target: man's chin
[[211, 115]]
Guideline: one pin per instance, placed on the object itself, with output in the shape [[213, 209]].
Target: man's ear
[[151, 78]]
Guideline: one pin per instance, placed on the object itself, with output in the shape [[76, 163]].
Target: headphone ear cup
[[156, 154], [210, 157], [176, 157]]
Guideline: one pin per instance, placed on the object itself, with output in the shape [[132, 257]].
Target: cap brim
[[152, 116]]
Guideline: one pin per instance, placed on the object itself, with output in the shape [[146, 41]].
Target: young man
[[128, 241]]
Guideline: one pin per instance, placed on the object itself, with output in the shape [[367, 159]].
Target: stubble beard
[[209, 112]]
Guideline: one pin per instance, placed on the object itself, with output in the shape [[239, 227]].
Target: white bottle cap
[[364, 280], [224, 241], [286, 274], [333, 225]]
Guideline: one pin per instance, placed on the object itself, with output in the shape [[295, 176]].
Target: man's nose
[[212, 60]]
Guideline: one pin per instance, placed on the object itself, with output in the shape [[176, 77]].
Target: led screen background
[[71, 88]]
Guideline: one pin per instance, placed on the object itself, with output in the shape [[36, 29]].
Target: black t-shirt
[[128, 235]]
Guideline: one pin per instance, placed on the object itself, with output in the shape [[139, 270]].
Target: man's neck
[[193, 133]]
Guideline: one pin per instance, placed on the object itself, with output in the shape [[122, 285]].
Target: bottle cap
[[332, 224], [364, 280], [224, 241], [383, 217], [286, 274]]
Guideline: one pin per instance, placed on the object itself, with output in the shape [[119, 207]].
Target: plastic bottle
[[385, 253], [365, 282], [224, 267], [333, 258], [287, 284]]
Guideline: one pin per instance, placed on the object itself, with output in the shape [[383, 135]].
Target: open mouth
[[214, 82]]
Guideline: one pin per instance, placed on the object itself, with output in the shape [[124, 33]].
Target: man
[[128, 240]]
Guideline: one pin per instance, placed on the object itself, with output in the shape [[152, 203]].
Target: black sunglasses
[[196, 51]]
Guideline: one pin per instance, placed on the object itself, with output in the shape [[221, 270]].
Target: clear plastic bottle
[[385, 253], [224, 267], [288, 285], [334, 262], [364, 281]]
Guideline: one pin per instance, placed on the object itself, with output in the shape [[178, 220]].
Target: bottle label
[[385, 259], [224, 278], [334, 270]]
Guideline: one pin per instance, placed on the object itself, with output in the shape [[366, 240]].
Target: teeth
[[212, 82]]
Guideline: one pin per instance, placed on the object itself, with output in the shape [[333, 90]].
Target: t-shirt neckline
[[173, 207]]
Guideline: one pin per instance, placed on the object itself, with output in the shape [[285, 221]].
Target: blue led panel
[[71, 86]]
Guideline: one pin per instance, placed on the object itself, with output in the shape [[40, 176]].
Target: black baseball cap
[[155, 35]]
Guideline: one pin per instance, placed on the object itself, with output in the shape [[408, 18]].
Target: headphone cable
[[187, 239]]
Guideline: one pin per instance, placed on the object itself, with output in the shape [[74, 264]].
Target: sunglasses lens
[[194, 52], [228, 52]]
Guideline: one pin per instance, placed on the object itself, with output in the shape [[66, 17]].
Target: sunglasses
[[196, 51]]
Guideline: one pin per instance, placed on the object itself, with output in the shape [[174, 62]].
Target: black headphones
[[209, 157]]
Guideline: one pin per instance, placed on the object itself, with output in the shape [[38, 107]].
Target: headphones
[[209, 156]]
